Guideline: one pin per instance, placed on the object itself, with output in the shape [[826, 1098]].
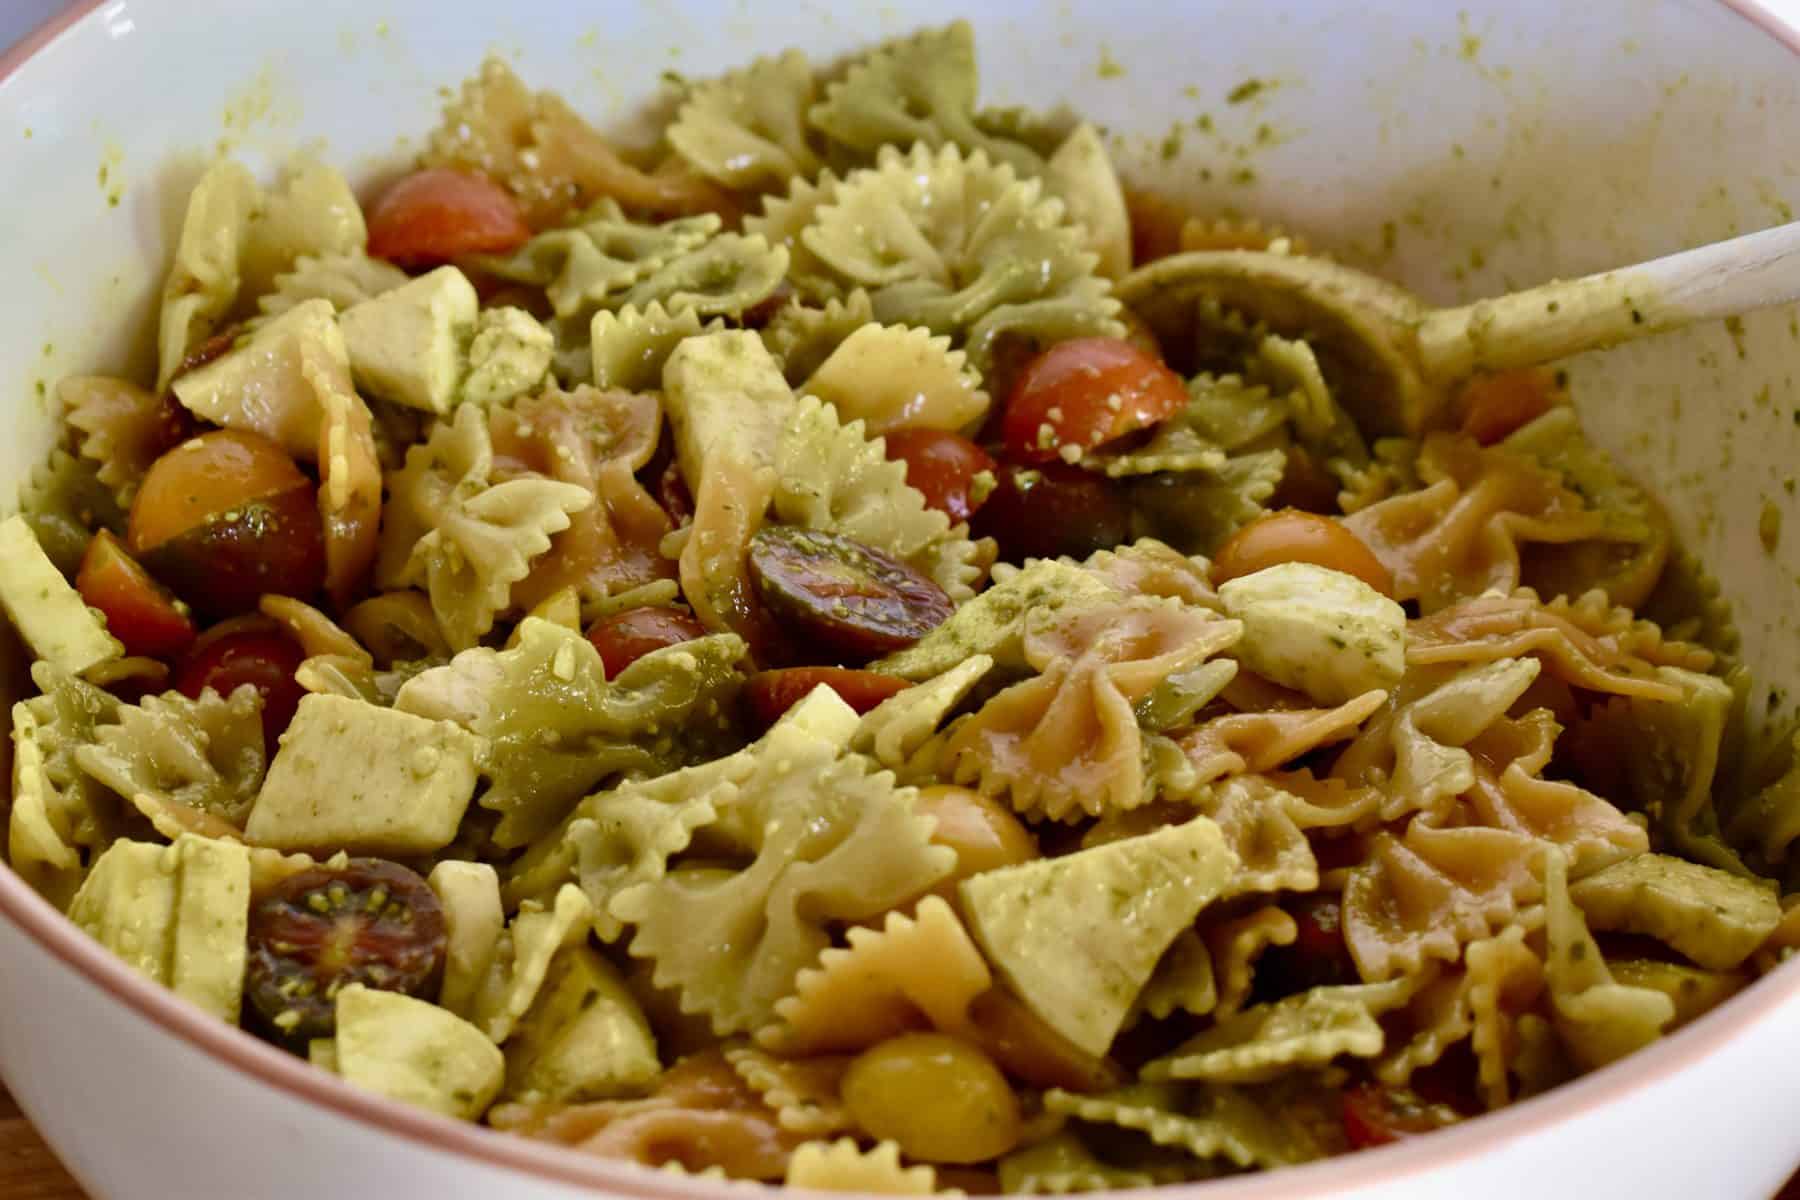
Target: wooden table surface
[[29, 1171]]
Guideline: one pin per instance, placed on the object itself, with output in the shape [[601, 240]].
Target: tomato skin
[[1319, 956], [673, 494], [226, 517], [771, 693], [847, 600], [984, 833], [1305, 484], [625, 637], [1294, 536], [1496, 405], [1380, 1116], [1055, 509], [274, 545], [1065, 397], [140, 612], [202, 478], [436, 215], [370, 921], [213, 347], [251, 652], [942, 467]]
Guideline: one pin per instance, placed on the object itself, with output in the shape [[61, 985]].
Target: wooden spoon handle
[[1565, 317]]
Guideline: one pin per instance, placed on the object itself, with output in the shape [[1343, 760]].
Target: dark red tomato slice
[[1305, 484], [943, 468], [213, 347], [1320, 946], [1086, 393], [436, 215], [1450, 1081], [1379, 1116], [249, 652], [850, 600], [371, 922], [225, 518], [139, 611], [1496, 405], [625, 637], [1053, 509], [271, 546], [764, 310], [771, 693], [1318, 956]]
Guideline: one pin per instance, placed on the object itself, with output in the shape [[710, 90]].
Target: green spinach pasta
[[856, 653]]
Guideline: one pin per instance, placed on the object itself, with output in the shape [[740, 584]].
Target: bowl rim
[[234, 1048]]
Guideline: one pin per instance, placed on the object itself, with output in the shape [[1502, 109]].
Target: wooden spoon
[[1402, 355]]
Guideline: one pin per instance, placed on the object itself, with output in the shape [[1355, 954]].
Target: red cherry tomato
[[1042, 512], [226, 518], [370, 921], [1496, 405], [1294, 536], [1379, 1116], [771, 693], [1320, 944], [139, 611], [252, 652], [1086, 393], [1318, 956], [844, 600], [942, 466], [673, 494], [625, 637], [436, 215]]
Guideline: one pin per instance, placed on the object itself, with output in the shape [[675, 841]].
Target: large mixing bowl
[[1461, 148]]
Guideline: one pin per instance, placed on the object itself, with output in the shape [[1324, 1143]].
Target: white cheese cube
[[411, 345], [1317, 631], [353, 776], [50, 615]]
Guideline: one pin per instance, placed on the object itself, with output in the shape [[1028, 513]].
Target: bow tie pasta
[[850, 650]]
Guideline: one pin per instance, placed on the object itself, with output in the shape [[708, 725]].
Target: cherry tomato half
[[984, 834], [771, 693], [225, 518], [943, 467], [1295, 536], [1318, 957], [139, 611], [673, 494], [1086, 393], [1495, 405], [248, 651], [1053, 509], [850, 600], [371, 922], [625, 637], [438, 214], [1379, 1116]]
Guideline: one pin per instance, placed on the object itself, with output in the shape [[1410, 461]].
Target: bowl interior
[[1462, 149]]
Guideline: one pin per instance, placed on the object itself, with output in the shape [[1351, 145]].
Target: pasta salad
[[865, 653]]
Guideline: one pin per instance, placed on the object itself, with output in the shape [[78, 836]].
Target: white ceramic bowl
[[1460, 148]]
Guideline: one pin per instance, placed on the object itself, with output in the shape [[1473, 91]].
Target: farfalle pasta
[[464, 536], [596, 440], [1068, 740], [857, 649]]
